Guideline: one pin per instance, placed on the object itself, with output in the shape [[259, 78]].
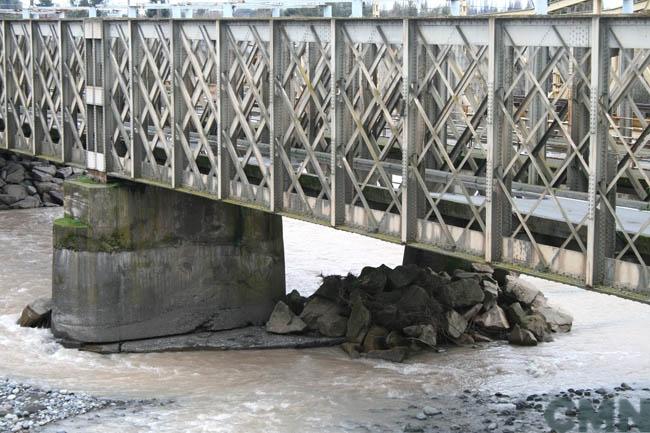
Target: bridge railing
[[520, 141]]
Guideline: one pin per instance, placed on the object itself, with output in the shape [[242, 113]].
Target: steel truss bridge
[[520, 141]]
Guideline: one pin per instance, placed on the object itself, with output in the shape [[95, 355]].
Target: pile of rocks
[[28, 183], [390, 313]]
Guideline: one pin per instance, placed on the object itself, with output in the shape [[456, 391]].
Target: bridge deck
[[441, 133]]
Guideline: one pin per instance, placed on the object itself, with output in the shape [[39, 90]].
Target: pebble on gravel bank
[[24, 407]]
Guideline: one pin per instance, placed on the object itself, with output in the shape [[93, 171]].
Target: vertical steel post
[[225, 108], [578, 122], [36, 138], [11, 127], [66, 93], [5, 95], [312, 114], [279, 117], [109, 78], [600, 224], [537, 112], [624, 109], [339, 130], [178, 107], [411, 132], [499, 138], [137, 104]]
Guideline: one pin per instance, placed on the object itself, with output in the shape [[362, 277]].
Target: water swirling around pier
[[302, 390]]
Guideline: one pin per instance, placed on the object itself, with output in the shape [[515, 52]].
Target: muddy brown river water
[[313, 390]]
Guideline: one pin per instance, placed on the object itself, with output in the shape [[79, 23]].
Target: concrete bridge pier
[[137, 261]]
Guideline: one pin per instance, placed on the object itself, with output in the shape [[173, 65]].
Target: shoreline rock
[[27, 182], [26, 408], [389, 313]]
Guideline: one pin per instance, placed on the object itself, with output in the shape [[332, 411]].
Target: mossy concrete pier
[[134, 261]]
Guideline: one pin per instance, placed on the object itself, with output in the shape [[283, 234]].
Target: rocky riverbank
[[27, 408], [390, 314], [27, 182], [573, 409]]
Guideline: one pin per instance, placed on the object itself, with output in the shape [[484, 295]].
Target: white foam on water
[[277, 391]]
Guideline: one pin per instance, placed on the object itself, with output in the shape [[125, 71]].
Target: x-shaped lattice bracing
[[20, 64], [120, 101], [47, 65], [474, 72], [75, 72], [388, 57], [156, 62], [525, 136], [311, 90], [249, 70], [198, 69], [629, 162]]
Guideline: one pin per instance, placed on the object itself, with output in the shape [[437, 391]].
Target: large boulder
[[284, 321], [317, 307], [396, 339], [521, 337], [432, 281], [536, 324], [516, 314], [44, 187], [332, 325], [13, 173], [472, 312], [428, 336], [455, 324], [27, 203], [331, 288], [491, 292], [387, 316], [403, 276], [45, 168], [518, 290], [465, 292], [375, 339], [296, 302], [558, 320], [372, 280], [15, 192], [40, 176], [64, 172], [37, 314], [358, 323], [57, 197], [482, 268], [493, 320], [416, 306]]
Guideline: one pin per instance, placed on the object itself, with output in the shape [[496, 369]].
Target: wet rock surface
[[390, 314], [27, 408], [27, 182], [251, 337]]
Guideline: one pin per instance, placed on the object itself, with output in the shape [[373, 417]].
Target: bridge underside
[[519, 141]]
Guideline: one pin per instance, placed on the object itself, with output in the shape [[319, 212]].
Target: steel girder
[[518, 141]]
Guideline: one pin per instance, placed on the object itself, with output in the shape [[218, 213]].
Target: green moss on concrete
[[76, 235], [70, 234], [69, 222], [89, 182]]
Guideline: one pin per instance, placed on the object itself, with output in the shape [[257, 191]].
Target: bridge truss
[[521, 141]]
